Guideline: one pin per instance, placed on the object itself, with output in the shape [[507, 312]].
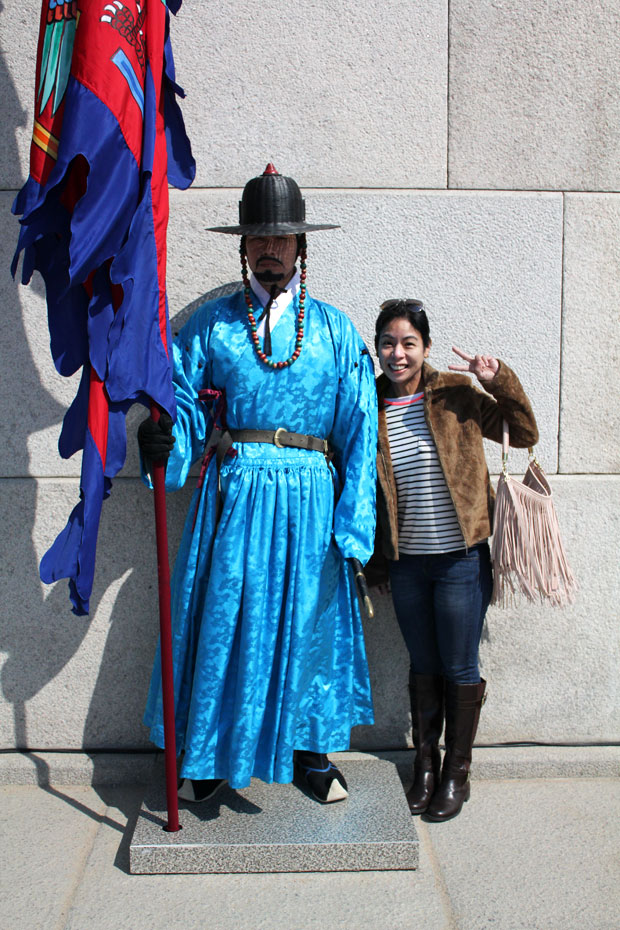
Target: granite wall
[[470, 153]]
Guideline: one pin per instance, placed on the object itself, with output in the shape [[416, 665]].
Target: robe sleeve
[[193, 425], [354, 441]]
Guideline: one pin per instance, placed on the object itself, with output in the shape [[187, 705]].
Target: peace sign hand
[[484, 367]]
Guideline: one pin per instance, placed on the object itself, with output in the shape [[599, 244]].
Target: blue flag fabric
[[108, 137]]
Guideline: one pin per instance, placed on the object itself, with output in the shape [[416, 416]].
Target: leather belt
[[280, 438]]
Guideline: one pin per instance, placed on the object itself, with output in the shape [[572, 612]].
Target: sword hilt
[[362, 587]]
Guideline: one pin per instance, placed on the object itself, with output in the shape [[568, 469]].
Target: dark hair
[[411, 310]]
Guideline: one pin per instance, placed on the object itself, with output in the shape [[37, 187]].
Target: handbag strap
[[506, 446]]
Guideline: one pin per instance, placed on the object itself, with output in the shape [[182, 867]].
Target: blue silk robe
[[267, 638]]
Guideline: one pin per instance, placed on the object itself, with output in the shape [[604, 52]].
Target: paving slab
[[541, 855], [281, 828], [47, 835], [523, 854], [110, 898]]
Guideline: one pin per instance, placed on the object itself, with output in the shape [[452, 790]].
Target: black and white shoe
[[325, 782], [199, 789]]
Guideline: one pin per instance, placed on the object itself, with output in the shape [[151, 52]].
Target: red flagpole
[[158, 475], [159, 186]]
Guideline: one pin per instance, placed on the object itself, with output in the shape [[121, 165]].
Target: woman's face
[[401, 355]]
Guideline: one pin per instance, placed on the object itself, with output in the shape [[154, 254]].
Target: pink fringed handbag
[[527, 552]]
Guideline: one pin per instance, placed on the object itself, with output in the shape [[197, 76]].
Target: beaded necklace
[[300, 314]]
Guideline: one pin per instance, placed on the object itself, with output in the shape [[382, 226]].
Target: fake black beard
[[268, 276]]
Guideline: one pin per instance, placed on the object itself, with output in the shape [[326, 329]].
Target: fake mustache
[[268, 276]]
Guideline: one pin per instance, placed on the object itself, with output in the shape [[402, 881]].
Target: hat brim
[[269, 229]]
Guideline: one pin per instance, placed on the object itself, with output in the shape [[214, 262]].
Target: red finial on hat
[[270, 169]]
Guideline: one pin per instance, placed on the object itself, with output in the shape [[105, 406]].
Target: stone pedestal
[[281, 828]]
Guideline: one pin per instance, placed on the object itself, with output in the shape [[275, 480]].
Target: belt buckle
[[276, 437]]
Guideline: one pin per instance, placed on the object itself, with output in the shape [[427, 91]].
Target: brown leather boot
[[463, 703], [426, 693]]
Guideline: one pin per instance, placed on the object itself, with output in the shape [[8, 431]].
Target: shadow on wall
[[40, 637], [30, 635]]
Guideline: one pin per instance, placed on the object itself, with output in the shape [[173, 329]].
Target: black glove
[[156, 439]]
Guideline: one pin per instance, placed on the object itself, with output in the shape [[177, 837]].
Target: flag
[[108, 136]]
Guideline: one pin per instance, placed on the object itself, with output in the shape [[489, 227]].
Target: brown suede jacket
[[458, 415]]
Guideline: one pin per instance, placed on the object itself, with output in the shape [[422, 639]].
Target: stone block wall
[[470, 153]]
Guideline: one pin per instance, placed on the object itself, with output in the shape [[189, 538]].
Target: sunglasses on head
[[414, 305]]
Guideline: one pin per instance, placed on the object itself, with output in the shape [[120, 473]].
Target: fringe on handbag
[[527, 552]]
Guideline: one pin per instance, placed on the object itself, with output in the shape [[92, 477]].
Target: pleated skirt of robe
[[268, 645]]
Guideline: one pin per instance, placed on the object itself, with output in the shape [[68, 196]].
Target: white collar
[[283, 299], [280, 303]]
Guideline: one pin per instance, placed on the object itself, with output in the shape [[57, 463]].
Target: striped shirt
[[426, 516]]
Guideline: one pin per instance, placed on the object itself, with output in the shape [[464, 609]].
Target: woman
[[434, 515]]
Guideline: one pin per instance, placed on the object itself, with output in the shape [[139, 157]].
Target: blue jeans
[[440, 603]]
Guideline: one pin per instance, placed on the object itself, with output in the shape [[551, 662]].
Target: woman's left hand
[[484, 367]]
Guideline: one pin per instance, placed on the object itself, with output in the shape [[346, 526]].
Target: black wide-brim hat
[[271, 205]]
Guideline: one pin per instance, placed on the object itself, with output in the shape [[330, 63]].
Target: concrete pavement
[[541, 850]]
